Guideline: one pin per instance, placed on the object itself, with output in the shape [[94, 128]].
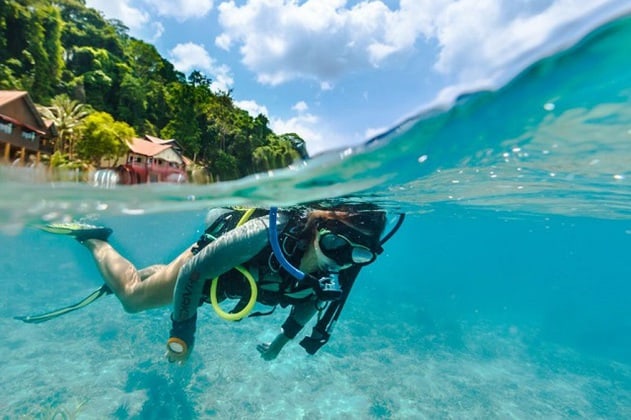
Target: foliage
[[101, 137], [277, 154], [67, 114], [62, 49], [65, 169], [62, 160]]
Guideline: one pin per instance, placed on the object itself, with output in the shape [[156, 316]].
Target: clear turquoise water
[[504, 295]]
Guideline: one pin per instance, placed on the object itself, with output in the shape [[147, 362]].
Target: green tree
[[297, 143], [183, 123], [53, 47], [278, 153], [15, 61], [225, 167], [67, 114], [188, 103], [102, 137], [47, 50], [87, 27], [132, 101]]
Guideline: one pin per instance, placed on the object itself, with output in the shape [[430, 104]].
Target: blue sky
[[338, 72]]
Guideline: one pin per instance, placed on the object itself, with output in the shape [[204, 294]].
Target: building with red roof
[[24, 135], [152, 159]]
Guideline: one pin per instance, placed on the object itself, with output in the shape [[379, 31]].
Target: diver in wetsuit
[[237, 257]]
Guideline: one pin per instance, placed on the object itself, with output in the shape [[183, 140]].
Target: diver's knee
[[132, 305], [130, 308]]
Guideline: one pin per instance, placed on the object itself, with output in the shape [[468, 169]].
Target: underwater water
[[505, 294]]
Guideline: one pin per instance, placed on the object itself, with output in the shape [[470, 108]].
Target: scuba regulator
[[326, 287]]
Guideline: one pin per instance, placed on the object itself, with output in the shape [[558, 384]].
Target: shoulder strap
[[226, 219]]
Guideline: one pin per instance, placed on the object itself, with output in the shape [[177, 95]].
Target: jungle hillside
[[80, 68]]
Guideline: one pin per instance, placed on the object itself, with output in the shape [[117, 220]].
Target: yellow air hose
[[248, 276]]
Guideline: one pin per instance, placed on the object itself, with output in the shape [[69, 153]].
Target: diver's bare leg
[[147, 272], [137, 290]]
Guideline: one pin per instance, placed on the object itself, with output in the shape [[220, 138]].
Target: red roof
[[157, 140], [7, 96], [146, 148]]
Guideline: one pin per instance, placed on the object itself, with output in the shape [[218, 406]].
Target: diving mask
[[342, 250]]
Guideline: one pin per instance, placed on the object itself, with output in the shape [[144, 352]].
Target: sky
[[338, 72]]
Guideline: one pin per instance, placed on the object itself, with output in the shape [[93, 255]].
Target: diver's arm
[[321, 331], [229, 250], [299, 316]]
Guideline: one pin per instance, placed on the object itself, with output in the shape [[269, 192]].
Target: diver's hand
[[267, 352], [181, 340]]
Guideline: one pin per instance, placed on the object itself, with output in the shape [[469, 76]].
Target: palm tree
[[67, 114]]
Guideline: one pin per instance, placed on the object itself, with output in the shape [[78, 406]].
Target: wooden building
[[153, 160], [24, 135]]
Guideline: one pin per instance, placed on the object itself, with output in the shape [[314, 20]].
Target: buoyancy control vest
[[234, 283]]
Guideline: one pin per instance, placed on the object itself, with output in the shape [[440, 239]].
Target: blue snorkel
[[278, 253], [327, 288]]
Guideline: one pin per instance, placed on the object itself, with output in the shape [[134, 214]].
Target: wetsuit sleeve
[[231, 249], [300, 314]]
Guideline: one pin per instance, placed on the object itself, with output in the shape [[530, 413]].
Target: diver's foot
[[106, 290], [80, 231]]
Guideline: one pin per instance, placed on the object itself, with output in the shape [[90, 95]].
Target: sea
[[505, 294]]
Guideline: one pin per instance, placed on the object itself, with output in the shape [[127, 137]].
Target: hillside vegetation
[[63, 52]]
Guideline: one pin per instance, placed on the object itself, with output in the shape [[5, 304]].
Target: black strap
[[394, 229], [221, 225]]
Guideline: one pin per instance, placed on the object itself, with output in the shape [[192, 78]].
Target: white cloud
[[480, 37], [326, 85], [135, 14], [158, 30], [133, 17], [253, 108], [181, 9], [305, 125], [222, 79], [300, 106], [190, 56], [223, 41], [282, 40]]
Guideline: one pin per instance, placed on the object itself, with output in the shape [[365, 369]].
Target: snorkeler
[[304, 257]]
